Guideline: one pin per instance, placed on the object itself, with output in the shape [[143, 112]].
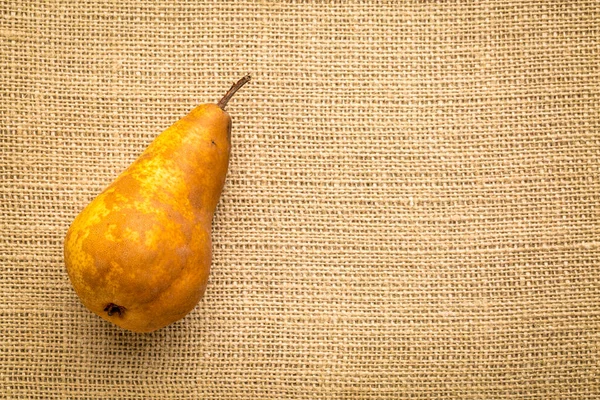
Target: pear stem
[[236, 86]]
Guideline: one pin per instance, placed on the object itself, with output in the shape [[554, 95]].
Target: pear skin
[[139, 254]]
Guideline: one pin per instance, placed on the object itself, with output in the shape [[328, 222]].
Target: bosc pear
[[139, 254]]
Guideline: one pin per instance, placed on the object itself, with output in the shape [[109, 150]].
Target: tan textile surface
[[412, 209]]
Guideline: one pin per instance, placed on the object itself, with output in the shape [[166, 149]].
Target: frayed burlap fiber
[[412, 209]]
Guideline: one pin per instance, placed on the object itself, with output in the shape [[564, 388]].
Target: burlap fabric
[[412, 209]]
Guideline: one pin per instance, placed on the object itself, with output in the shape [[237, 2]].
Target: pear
[[139, 254]]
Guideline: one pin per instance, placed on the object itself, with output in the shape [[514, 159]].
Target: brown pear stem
[[236, 86]]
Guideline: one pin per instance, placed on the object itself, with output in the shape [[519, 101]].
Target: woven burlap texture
[[412, 208]]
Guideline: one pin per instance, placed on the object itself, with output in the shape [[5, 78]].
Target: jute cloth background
[[412, 209]]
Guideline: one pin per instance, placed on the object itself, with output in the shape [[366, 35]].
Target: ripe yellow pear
[[139, 254]]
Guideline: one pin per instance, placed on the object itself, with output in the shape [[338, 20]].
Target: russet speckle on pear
[[139, 254]]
